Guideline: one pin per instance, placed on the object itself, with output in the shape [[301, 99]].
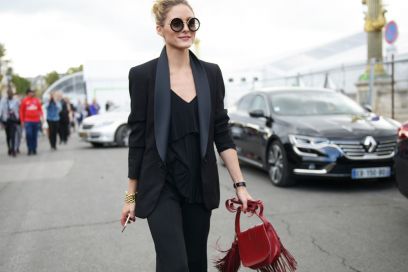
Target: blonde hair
[[162, 7]]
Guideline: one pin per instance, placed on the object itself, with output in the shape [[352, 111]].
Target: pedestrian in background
[[31, 116], [79, 113], [9, 116], [19, 131], [72, 112], [63, 129], [53, 108], [175, 120], [87, 111], [94, 107]]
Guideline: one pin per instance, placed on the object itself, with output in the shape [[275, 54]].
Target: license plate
[[377, 172], [83, 134]]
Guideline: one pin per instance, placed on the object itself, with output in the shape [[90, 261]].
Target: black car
[[296, 131], [401, 159]]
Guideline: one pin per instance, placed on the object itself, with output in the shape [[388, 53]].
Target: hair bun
[[160, 8]]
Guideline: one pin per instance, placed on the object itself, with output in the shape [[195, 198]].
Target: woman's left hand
[[243, 196]]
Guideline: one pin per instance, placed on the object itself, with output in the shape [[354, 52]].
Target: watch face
[[239, 184]]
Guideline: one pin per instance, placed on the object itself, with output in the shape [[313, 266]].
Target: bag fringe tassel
[[284, 263], [231, 261]]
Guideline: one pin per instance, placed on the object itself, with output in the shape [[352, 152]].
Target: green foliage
[[73, 70], [21, 84], [51, 77], [2, 50]]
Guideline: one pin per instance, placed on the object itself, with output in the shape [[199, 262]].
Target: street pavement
[[59, 211]]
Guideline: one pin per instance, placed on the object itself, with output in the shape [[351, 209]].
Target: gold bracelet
[[130, 198]]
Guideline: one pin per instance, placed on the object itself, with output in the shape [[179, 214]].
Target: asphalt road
[[59, 211]]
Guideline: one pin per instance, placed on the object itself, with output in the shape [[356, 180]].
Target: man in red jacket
[[31, 115]]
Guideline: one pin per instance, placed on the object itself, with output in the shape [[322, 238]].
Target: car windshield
[[313, 103]]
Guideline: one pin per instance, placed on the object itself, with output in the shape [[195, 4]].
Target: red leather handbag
[[258, 247]]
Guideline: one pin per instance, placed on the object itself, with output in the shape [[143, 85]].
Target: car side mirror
[[257, 113], [368, 108]]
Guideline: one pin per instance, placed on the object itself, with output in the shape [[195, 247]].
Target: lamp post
[[374, 24], [9, 76]]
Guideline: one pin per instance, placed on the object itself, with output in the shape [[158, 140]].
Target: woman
[[9, 117], [177, 114], [63, 129], [53, 117]]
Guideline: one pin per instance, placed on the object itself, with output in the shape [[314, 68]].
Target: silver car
[[106, 129]]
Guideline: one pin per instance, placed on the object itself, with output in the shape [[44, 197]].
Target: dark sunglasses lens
[[177, 24], [193, 24]]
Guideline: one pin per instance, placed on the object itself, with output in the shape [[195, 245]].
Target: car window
[[259, 103], [313, 103], [245, 103]]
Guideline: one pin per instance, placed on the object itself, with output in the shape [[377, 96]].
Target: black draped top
[[183, 153]]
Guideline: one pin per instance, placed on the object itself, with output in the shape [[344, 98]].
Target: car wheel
[[122, 136], [278, 168], [97, 144]]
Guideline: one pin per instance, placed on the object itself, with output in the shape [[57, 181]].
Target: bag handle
[[254, 207]]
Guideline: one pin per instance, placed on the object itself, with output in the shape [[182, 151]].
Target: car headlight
[[308, 146], [104, 124]]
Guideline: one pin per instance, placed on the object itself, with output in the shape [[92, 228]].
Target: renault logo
[[370, 144]]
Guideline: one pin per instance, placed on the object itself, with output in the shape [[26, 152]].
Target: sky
[[45, 35]]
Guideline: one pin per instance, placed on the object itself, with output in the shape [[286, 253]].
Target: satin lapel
[[204, 100], [162, 104]]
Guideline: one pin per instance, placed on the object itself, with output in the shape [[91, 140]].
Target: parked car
[[401, 159], [296, 131], [106, 129]]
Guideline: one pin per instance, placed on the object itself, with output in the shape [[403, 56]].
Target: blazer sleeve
[[222, 134], [136, 122]]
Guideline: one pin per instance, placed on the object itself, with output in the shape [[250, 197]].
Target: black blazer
[[149, 121]]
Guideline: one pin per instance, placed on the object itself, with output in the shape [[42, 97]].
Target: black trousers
[[11, 130], [63, 131], [180, 232], [52, 132]]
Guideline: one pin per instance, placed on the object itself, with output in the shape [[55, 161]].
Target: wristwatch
[[239, 184]]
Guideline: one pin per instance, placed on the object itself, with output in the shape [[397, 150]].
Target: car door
[[257, 129], [239, 118]]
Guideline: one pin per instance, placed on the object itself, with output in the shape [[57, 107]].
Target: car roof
[[292, 88]]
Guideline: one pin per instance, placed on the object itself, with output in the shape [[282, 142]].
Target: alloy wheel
[[276, 164]]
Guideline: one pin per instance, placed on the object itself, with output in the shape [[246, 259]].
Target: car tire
[[277, 166], [97, 145], [122, 136]]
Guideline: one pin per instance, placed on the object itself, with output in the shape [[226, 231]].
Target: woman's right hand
[[128, 208]]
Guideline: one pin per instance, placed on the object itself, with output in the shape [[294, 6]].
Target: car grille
[[356, 150], [87, 126]]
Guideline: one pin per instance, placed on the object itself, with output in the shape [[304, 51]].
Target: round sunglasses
[[177, 24]]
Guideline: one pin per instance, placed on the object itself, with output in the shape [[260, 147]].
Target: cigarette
[[127, 220]]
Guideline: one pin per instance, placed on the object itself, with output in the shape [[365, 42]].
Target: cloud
[[44, 35]]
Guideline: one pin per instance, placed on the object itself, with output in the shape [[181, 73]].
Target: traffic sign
[[391, 32]]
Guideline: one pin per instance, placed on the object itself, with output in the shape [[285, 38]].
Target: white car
[[106, 129]]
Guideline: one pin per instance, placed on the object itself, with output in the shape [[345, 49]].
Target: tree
[[2, 50], [2, 54], [21, 84], [73, 70], [51, 77]]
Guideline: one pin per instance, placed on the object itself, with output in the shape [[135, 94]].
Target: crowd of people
[[28, 116]]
